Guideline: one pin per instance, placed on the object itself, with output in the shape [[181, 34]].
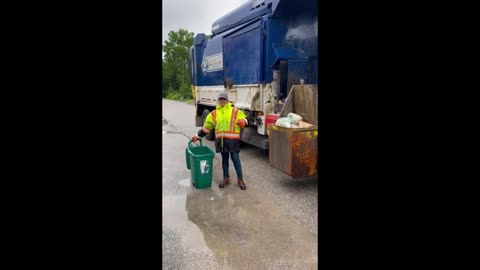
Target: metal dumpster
[[295, 150]]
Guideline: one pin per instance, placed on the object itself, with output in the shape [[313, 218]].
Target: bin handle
[[190, 143]]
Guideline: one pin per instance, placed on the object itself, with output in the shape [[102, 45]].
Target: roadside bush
[[175, 95], [186, 91]]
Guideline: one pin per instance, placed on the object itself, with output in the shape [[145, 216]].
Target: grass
[[176, 98]]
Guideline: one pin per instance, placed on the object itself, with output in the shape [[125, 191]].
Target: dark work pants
[[236, 162]]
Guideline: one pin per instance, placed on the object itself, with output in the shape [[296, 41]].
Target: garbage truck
[[264, 55]]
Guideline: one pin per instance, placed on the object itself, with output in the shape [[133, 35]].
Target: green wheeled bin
[[200, 162]]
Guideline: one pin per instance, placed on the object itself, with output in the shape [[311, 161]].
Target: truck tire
[[211, 135]]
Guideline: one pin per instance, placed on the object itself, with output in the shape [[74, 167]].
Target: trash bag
[[294, 118], [283, 122]]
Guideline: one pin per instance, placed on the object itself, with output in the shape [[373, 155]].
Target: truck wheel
[[211, 135]]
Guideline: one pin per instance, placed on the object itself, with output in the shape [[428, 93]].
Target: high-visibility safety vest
[[224, 121]]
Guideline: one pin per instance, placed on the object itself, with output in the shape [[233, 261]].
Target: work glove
[[242, 123], [195, 138]]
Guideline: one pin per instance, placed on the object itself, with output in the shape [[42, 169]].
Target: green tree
[[176, 78], [168, 78]]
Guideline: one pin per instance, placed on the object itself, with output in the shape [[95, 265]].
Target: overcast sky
[[196, 16]]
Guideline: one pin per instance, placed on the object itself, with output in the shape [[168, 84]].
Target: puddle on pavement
[[174, 216], [243, 229]]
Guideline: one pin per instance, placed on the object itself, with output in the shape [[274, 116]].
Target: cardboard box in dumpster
[[303, 124]]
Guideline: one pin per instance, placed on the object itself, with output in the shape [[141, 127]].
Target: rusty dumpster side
[[294, 150]]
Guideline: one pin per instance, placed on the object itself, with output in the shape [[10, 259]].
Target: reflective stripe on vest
[[214, 116], [227, 135], [233, 119]]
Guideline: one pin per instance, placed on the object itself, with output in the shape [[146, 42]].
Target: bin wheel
[[211, 135]]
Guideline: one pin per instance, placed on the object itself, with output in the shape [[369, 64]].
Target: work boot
[[242, 184], [225, 181]]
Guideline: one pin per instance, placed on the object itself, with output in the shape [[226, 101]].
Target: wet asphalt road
[[271, 225]]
